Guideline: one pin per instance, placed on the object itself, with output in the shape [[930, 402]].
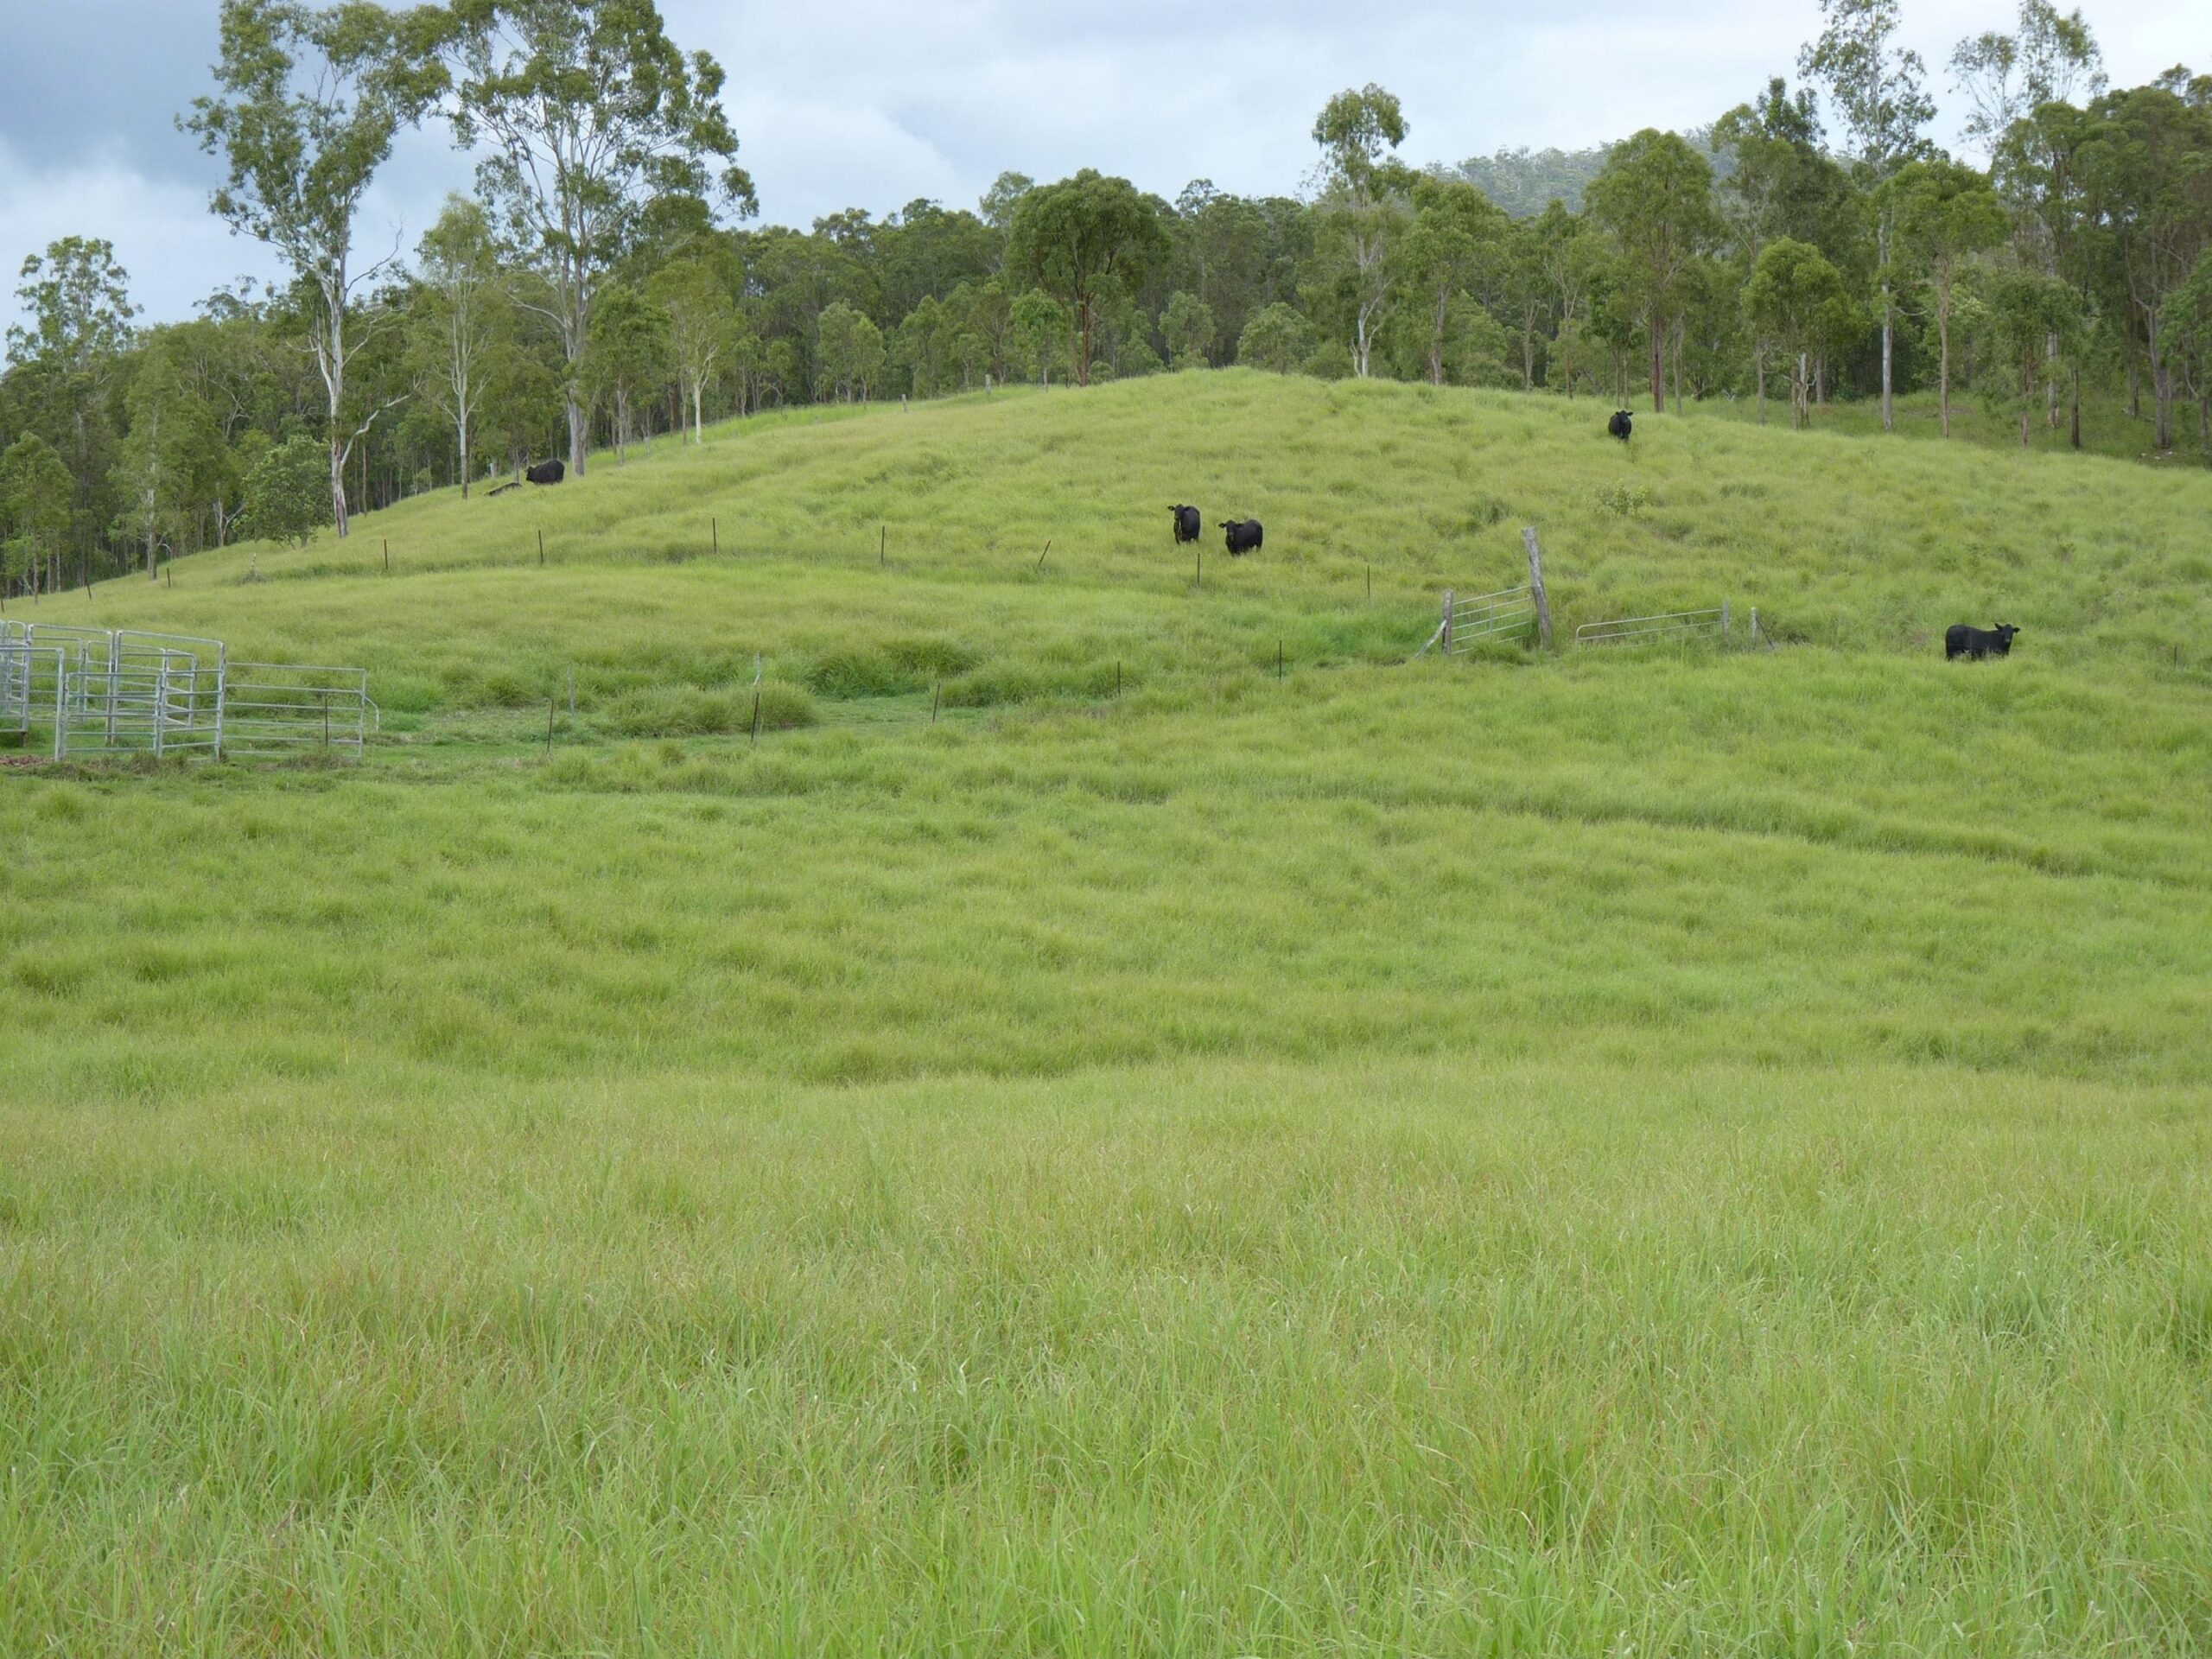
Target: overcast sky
[[873, 103]]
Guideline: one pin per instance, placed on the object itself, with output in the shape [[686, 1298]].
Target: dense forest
[[606, 286]]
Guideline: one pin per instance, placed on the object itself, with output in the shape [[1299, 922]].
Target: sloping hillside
[[896, 549]]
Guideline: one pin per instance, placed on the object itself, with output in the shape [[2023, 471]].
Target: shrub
[[691, 711]]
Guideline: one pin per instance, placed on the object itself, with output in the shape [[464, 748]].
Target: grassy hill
[[1871, 546], [1700, 1149]]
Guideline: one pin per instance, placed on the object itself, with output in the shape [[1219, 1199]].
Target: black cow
[[1188, 524], [547, 472], [1242, 538], [1622, 426], [1978, 643]]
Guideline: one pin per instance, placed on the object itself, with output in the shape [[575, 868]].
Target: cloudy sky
[[873, 103]]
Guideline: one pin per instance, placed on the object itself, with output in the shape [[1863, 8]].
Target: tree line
[[606, 284]]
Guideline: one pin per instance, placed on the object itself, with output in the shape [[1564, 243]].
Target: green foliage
[[77, 305], [1087, 241], [1622, 499], [692, 711], [1188, 324], [1879, 89], [1656, 199], [850, 354], [168, 462], [1039, 325], [588, 118], [308, 105], [1797, 303], [628, 353], [1277, 339], [461, 329], [287, 493], [34, 490]]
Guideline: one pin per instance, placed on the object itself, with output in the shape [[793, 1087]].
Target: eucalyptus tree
[[169, 460], [697, 295], [2050, 59], [1039, 331], [1655, 196], [1187, 324], [2191, 321], [850, 356], [307, 103], [1782, 182], [76, 303], [587, 111], [1087, 242], [35, 490], [1880, 90], [2147, 167], [1457, 240], [2026, 309], [461, 317], [1945, 212], [1362, 195], [626, 356], [1570, 256], [1798, 302], [1276, 339], [1005, 194]]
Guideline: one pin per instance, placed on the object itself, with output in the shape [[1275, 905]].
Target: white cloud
[[872, 103]]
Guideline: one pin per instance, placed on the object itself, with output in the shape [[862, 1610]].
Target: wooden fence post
[[1724, 619], [1536, 587], [1444, 633]]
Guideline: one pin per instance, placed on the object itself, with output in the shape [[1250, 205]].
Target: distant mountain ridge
[[1523, 181]]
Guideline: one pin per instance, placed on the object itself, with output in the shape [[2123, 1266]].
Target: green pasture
[[1084, 1139]]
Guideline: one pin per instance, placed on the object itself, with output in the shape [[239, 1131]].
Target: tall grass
[[1692, 1151], [1869, 545]]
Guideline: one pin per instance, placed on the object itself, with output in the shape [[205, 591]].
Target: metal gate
[[101, 692], [274, 710]]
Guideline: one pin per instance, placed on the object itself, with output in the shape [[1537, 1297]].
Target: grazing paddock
[[1518, 1153]]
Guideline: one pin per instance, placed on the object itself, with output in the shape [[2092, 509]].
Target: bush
[[1331, 360], [1276, 339], [287, 493], [859, 671], [1624, 500], [691, 711]]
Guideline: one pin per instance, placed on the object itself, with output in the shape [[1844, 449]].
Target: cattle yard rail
[[97, 693], [1638, 630]]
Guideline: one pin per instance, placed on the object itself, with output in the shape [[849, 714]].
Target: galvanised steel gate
[[107, 692]]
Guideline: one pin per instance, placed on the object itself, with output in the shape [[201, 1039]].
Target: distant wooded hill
[[1523, 181]]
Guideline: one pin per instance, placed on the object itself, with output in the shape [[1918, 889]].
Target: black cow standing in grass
[[1241, 538], [1188, 524], [1978, 643], [1622, 426], [546, 472]]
